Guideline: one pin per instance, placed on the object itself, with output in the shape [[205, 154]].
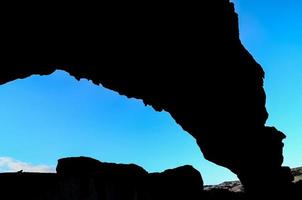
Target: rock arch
[[185, 59]]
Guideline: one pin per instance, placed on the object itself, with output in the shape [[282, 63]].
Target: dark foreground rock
[[88, 179], [180, 183], [83, 178]]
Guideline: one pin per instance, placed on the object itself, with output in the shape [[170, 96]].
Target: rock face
[[82, 178], [183, 58], [120, 181], [236, 186], [166, 185], [232, 186], [88, 179], [297, 173]]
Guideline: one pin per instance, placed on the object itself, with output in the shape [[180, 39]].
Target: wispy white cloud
[[8, 164]]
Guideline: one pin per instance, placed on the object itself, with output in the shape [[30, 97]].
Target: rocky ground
[[297, 172], [232, 186], [236, 186]]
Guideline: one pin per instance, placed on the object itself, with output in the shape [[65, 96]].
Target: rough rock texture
[[236, 186], [183, 58], [297, 173], [88, 179], [232, 186]]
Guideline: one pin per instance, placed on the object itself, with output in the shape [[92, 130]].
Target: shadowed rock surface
[[182, 58], [82, 178], [88, 179], [297, 173], [236, 186], [232, 186]]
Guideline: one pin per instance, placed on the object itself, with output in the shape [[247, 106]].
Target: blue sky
[[47, 118]]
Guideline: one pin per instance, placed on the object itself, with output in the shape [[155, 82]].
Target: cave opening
[[45, 118]]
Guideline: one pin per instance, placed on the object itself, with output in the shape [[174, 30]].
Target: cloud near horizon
[[8, 164]]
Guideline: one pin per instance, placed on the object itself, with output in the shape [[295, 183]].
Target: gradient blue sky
[[46, 118]]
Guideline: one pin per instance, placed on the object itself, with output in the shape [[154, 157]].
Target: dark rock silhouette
[[180, 183], [88, 166], [88, 179], [130, 181], [81, 178], [101, 180], [182, 58]]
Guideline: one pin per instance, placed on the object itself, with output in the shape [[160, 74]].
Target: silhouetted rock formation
[[183, 58], [97, 180], [88, 179], [119, 181], [82, 178], [88, 166], [180, 183]]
